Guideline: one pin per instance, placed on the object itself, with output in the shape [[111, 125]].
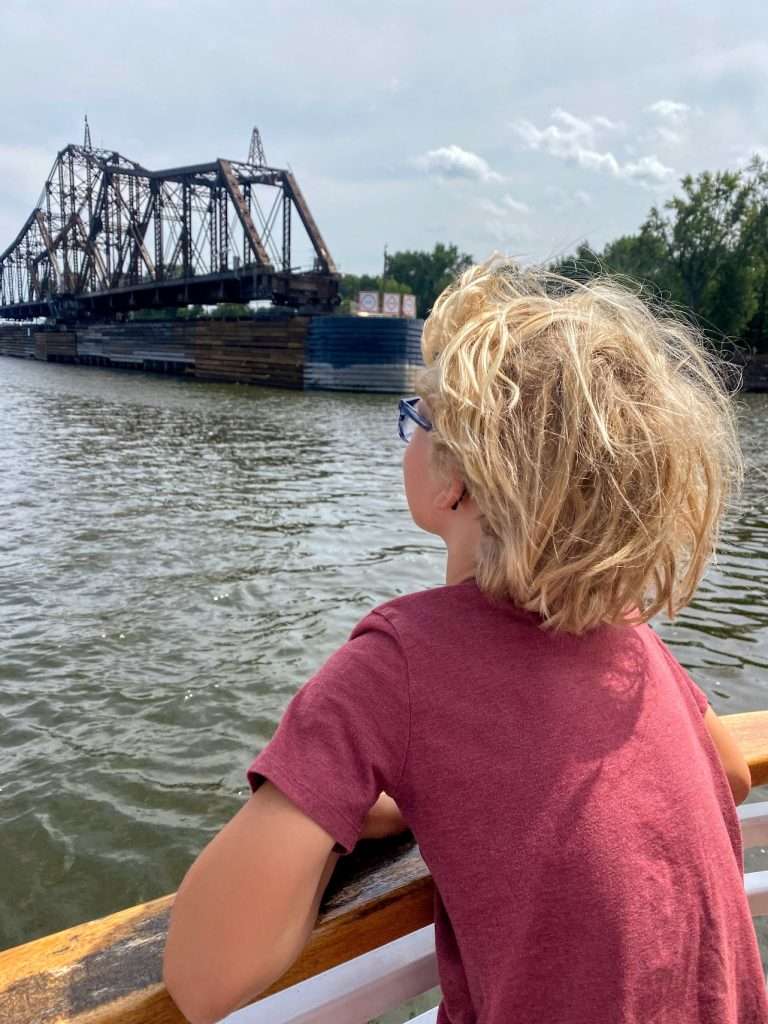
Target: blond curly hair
[[595, 433]]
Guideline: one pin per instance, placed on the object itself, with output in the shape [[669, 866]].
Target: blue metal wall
[[357, 353]]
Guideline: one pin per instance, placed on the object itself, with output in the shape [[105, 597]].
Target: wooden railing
[[109, 971]]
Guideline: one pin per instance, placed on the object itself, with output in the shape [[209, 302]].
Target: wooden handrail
[[109, 971]]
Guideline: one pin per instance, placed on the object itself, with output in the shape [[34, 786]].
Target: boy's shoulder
[[424, 607]]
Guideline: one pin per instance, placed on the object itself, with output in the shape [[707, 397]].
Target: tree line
[[705, 249], [410, 272]]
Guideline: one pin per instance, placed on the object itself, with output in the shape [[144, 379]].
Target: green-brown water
[[176, 559]]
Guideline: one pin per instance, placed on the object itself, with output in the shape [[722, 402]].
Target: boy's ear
[[449, 494]]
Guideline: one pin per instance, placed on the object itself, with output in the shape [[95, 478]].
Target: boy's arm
[[734, 765], [246, 907]]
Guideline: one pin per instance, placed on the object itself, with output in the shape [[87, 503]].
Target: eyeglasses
[[408, 418], [406, 424]]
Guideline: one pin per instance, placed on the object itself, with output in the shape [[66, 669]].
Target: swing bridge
[[108, 236]]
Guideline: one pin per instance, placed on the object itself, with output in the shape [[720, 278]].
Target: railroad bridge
[[109, 236]]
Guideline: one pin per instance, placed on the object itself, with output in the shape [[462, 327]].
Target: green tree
[[351, 284], [426, 274], [640, 257], [637, 257], [231, 311], [706, 248], [191, 313], [162, 313], [756, 232], [586, 262]]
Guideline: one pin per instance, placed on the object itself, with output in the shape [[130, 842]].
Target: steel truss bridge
[[109, 236]]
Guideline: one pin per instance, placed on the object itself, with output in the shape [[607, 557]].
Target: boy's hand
[[383, 819]]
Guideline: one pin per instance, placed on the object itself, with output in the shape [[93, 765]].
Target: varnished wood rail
[[109, 971]]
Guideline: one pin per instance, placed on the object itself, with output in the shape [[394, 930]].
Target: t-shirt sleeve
[[681, 675], [343, 737]]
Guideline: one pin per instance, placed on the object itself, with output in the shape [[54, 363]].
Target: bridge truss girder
[[108, 236]]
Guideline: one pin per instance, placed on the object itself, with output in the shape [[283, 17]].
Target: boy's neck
[[459, 566], [462, 542]]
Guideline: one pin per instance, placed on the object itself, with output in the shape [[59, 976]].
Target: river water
[[176, 558]]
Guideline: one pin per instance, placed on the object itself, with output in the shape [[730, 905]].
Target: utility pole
[[383, 277]]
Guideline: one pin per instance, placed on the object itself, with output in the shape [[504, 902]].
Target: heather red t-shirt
[[566, 798]]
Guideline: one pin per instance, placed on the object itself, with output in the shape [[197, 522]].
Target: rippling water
[[176, 559]]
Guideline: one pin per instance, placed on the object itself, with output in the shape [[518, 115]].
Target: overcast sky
[[496, 126]]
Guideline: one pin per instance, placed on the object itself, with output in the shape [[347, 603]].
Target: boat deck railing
[[372, 948]]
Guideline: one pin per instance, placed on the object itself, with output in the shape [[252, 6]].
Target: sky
[[498, 127]]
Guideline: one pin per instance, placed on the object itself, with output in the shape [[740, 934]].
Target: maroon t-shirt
[[566, 797]]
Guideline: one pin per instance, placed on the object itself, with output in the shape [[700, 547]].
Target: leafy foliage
[[706, 249], [427, 273], [423, 274]]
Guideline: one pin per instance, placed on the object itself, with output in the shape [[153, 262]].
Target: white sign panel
[[409, 305], [392, 303], [368, 302]]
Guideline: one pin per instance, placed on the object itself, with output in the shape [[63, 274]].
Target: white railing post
[[754, 832], [354, 991]]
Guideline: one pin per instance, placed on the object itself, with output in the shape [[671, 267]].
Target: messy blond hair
[[595, 434]]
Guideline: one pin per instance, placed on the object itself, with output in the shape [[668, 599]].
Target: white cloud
[[648, 170], [23, 171], [606, 124], [673, 117], [507, 232], [516, 205], [574, 139], [560, 199], [454, 162], [502, 224], [670, 110], [505, 208], [493, 208], [668, 136]]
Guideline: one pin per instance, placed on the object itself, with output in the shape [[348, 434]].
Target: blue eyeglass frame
[[407, 408]]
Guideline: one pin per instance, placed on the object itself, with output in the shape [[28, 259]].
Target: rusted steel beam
[[238, 201], [47, 242], [93, 254], [109, 971], [308, 221], [135, 231], [173, 173]]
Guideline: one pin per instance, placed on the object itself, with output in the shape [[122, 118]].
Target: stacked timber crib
[[283, 350]]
